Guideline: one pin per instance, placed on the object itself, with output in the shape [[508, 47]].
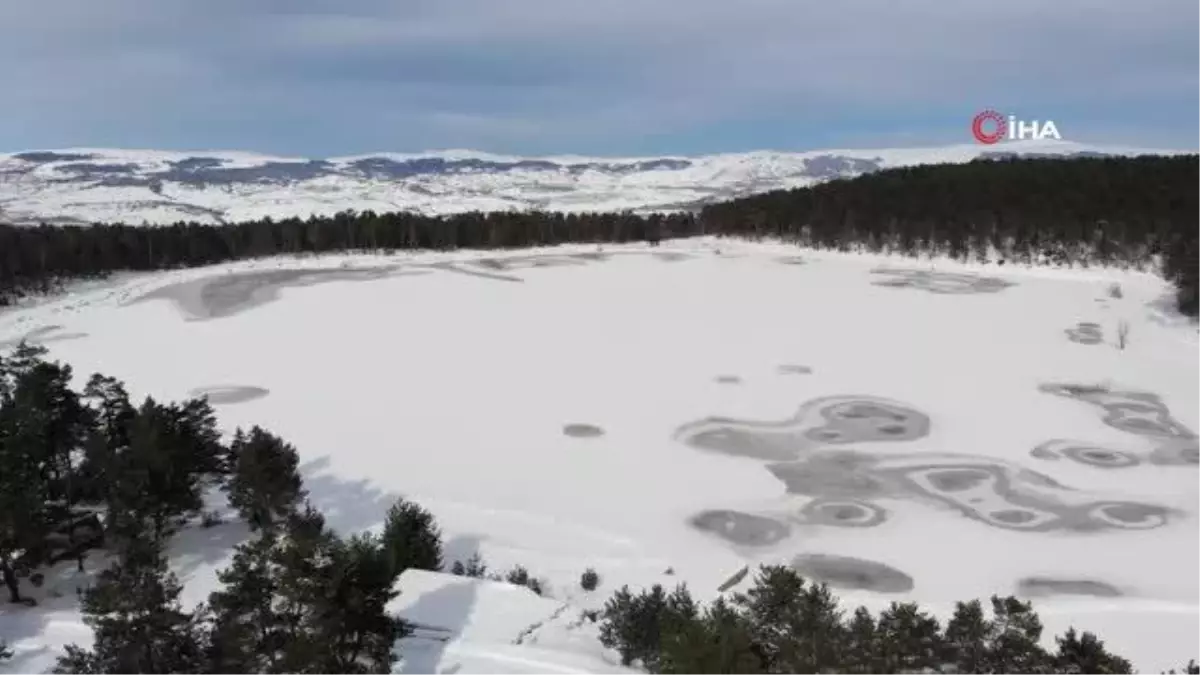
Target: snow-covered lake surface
[[902, 429]]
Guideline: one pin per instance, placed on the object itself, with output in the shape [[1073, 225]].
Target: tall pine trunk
[[10, 580]]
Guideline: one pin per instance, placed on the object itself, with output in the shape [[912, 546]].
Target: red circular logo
[[998, 124]]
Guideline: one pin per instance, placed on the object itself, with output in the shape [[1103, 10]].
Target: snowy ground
[[911, 428]]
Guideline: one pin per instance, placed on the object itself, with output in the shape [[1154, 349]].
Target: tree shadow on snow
[[348, 505]]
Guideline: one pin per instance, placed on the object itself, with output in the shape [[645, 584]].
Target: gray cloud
[[551, 73]]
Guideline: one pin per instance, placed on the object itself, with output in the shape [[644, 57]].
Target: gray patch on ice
[[940, 282], [595, 256], [867, 419], [742, 529], [224, 295], [1035, 587], [793, 369], [671, 256], [727, 379], [1135, 412], [1085, 453], [42, 335], [226, 394], [806, 454], [1181, 452], [831, 420], [582, 430], [1085, 333], [832, 475], [1131, 515], [791, 260], [842, 513], [853, 573]]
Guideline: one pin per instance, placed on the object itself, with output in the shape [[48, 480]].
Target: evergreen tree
[[966, 638], [517, 576], [1014, 641], [112, 415], [589, 580], [23, 517], [139, 625], [331, 597], [798, 624], [908, 640], [1086, 654], [862, 644], [635, 625], [719, 641], [157, 477], [58, 423], [353, 617], [411, 538], [265, 485], [248, 634]]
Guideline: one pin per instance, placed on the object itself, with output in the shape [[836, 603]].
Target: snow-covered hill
[[673, 414], [157, 187]]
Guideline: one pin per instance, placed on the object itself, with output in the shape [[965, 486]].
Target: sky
[[322, 78]]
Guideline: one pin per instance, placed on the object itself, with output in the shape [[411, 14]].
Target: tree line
[[1132, 211], [785, 624], [91, 471]]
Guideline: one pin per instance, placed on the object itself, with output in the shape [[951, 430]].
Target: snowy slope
[[700, 407], [156, 187]]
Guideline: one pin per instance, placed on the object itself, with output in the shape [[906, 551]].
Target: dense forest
[[93, 477], [1139, 212]]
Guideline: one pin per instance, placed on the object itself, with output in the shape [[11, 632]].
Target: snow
[[451, 387], [32, 192]]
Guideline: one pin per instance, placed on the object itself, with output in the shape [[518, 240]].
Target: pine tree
[[353, 614], [57, 422], [300, 561], [23, 518], [1086, 654], [331, 598], [1015, 637], [248, 635], [265, 485], [861, 643], [139, 626], [517, 576], [909, 640], [798, 624], [719, 641], [157, 477], [589, 580], [411, 538], [636, 625], [966, 638]]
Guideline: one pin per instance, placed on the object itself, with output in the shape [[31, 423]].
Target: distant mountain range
[[86, 185]]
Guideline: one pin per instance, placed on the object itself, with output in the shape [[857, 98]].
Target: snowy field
[[900, 429]]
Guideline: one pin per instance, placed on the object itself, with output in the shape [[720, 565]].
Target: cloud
[[325, 76]]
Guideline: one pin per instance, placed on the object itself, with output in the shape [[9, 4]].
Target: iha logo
[[991, 127]]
